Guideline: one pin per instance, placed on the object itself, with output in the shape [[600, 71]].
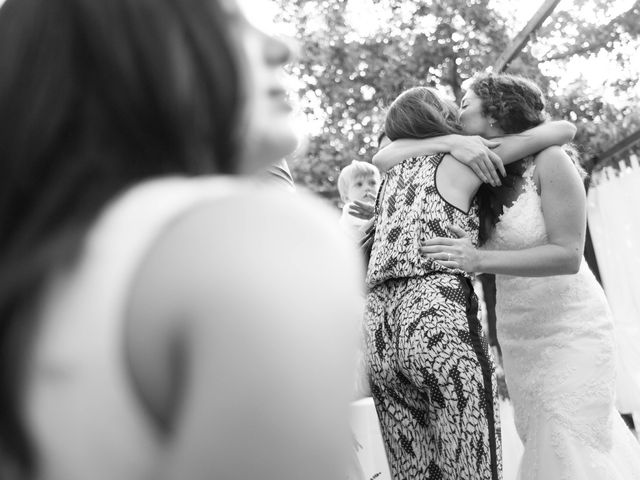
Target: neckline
[[525, 191]]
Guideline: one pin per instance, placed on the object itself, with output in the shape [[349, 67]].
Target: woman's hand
[[452, 252], [475, 152]]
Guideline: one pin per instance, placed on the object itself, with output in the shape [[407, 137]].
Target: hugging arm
[[564, 210], [476, 152], [472, 150], [516, 146]]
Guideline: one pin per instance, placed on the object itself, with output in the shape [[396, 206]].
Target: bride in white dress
[[554, 324]]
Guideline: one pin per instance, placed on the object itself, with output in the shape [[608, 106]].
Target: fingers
[[495, 178], [482, 165], [479, 173], [486, 164], [437, 253], [359, 214], [459, 232], [448, 264], [439, 242], [445, 258], [360, 210], [366, 208], [497, 162], [364, 205], [489, 174]]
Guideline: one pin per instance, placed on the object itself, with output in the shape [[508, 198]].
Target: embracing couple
[[444, 214]]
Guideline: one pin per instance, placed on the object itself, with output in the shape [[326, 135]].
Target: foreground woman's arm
[[243, 302]]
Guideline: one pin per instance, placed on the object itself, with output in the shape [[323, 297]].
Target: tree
[[350, 77], [607, 112], [351, 68]]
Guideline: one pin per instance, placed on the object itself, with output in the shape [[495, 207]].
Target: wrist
[[450, 141], [479, 264]]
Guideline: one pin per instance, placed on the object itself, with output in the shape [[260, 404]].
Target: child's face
[[363, 189]]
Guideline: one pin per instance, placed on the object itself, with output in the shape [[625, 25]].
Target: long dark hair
[[421, 112], [516, 104], [95, 95]]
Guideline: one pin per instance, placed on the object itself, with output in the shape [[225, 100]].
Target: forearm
[[517, 146], [540, 261], [404, 148]]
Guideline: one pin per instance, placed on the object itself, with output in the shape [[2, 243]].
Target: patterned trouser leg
[[433, 380]]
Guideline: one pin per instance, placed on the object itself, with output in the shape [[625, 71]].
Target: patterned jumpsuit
[[432, 377]]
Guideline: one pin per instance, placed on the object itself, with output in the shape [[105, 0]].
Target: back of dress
[[81, 408], [410, 208]]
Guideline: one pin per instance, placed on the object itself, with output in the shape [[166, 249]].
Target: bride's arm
[[475, 151], [564, 210]]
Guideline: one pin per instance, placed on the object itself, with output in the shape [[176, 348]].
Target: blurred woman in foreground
[[142, 334]]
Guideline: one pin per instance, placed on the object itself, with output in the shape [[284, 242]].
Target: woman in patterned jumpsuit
[[431, 374]]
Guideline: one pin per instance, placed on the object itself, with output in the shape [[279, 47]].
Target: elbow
[[574, 267], [571, 263]]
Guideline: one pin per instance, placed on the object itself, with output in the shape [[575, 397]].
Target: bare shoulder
[[246, 273], [458, 171], [247, 239], [553, 157], [447, 157], [554, 163], [556, 172], [252, 289]]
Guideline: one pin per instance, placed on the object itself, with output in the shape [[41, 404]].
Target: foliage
[[351, 68], [608, 112]]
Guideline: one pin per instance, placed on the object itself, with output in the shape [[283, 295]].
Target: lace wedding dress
[[558, 350]]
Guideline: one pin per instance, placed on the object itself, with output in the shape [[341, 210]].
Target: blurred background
[[355, 56]]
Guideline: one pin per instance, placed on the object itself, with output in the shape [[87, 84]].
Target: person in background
[[142, 334], [554, 323], [432, 376], [358, 185]]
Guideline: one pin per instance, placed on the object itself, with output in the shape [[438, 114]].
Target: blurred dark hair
[[516, 104], [96, 95], [420, 112]]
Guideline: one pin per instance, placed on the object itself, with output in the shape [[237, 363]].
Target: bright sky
[[365, 16]]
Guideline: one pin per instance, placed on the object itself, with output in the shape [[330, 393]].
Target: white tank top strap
[[80, 406]]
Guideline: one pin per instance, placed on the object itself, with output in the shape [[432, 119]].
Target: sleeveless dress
[[80, 407], [431, 375], [557, 341]]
